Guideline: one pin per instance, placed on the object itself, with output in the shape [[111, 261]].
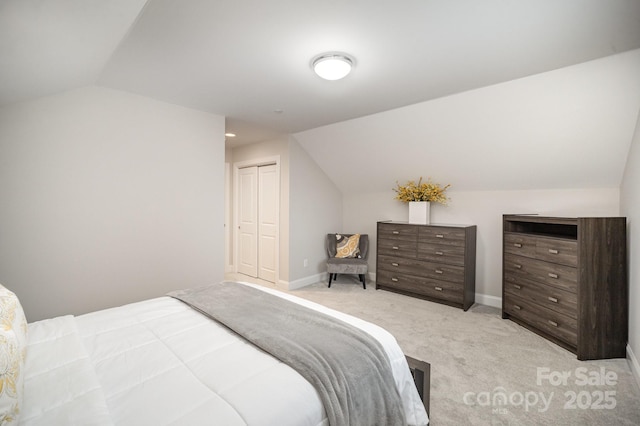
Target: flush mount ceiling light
[[332, 66]]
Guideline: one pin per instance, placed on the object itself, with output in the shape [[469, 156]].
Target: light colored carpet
[[476, 357]]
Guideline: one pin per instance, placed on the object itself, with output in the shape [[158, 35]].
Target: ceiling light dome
[[332, 66]]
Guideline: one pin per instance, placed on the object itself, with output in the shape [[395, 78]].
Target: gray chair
[[337, 266]]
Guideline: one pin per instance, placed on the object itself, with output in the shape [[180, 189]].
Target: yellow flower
[[421, 191]]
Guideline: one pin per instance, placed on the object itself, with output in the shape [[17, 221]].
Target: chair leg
[[363, 281], [330, 278]]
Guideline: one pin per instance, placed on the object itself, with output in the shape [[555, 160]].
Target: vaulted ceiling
[[566, 128], [249, 60]]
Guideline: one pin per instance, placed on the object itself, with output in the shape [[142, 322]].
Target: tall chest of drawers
[[566, 280], [433, 262]]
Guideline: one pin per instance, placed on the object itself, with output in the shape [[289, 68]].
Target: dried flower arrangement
[[422, 191]]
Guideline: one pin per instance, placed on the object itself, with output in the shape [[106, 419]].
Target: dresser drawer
[[452, 255], [562, 302], [418, 268], [442, 235], [522, 245], [402, 248], [560, 326], [400, 265], [558, 276], [441, 271], [420, 285], [395, 231], [557, 250]]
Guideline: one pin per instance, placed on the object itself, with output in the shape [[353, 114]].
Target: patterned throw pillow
[[13, 343], [348, 246]]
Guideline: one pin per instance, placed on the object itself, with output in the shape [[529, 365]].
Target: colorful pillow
[[13, 344], [347, 247]]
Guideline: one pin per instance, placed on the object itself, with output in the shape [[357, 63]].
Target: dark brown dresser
[[566, 280], [433, 262]]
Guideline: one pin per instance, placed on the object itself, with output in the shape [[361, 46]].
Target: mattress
[[159, 362]]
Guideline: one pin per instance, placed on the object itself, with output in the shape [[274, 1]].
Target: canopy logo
[[596, 393], [499, 399]]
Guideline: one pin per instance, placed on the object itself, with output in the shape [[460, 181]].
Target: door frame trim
[[228, 223], [257, 162]]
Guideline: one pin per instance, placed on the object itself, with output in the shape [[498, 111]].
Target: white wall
[[315, 210], [630, 207], [255, 152], [483, 209], [108, 198]]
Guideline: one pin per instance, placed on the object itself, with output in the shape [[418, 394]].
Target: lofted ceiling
[[249, 60], [566, 128]]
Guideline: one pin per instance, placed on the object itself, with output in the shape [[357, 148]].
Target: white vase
[[419, 212]]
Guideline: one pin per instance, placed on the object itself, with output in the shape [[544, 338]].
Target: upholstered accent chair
[[347, 265]]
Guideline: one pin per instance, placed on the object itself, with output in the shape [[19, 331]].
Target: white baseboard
[[485, 299], [282, 285], [633, 364], [321, 277], [303, 282]]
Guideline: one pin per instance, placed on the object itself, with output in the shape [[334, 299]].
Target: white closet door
[[248, 221], [267, 222]]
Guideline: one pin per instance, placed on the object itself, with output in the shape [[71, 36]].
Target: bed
[[162, 362]]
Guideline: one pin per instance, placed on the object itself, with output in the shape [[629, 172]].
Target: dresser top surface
[[553, 219], [451, 225]]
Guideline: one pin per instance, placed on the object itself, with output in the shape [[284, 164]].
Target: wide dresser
[[566, 280], [432, 262]]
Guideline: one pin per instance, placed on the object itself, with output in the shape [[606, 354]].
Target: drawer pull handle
[[553, 251], [395, 280], [395, 248], [517, 245], [438, 271], [517, 287], [394, 264], [396, 232], [439, 236], [516, 307], [439, 253], [438, 288], [517, 266], [553, 299], [553, 323], [552, 275]]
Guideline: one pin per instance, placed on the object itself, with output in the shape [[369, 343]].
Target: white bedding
[[159, 362], [60, 384]]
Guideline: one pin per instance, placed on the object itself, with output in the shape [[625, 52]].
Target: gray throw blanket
[[347, 366]]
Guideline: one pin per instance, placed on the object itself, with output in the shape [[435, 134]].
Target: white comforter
[[159, 362]]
